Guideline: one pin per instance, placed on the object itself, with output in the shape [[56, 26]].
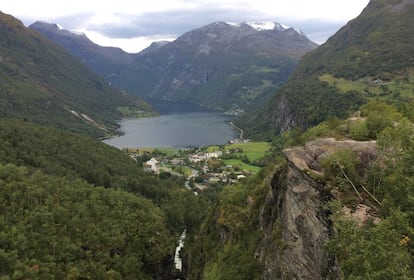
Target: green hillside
[[372, 57], [63, 154], [42, 83], [103, 214], [54, 228], [248, 232]]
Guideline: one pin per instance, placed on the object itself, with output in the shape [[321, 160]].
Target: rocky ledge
[[294, 218]]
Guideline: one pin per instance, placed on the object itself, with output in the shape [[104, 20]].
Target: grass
[[242, 165], [345, 85], [187, 171], [403, 85], [253, 150]]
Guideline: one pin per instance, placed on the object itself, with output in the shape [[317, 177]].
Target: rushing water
[[177, 258], [177, 130]]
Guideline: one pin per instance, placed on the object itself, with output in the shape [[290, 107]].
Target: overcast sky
[[134, 24]]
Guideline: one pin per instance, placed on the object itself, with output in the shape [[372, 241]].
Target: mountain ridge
[[102, 60], [220, 65], [43, 83]]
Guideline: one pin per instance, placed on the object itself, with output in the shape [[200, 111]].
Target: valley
[[255, 154], [222, 66], [204, 167]]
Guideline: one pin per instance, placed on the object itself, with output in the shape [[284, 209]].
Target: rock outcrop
[[294, 217]]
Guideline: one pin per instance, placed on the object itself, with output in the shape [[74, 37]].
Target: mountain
[[41, 82], [153, 47], [102, 60], [222, 65], [372, 57]]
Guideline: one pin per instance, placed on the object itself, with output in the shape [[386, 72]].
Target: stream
[[177, 258]]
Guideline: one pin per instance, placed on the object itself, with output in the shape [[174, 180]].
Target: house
[[151, 166], [195, 158], [240, 177], [176, 161], [215, 154]]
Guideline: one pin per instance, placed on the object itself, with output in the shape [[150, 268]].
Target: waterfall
[[177, 258]]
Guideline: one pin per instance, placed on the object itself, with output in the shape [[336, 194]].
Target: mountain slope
[[55, 228], [221, 65], [72, 205], [102, 60], [43, 83], [371, 57]]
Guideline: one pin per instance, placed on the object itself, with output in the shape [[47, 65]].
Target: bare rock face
[[294, 218]]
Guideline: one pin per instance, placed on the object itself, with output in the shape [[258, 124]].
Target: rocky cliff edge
[[295, 219]]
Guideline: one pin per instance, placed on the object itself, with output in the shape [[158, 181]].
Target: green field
[[404, 87], [242, 165], [253, 150]]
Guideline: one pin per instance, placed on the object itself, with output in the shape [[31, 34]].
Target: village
[[206, 166]]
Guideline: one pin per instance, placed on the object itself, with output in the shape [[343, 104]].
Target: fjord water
[[179, 130], [176, 127]]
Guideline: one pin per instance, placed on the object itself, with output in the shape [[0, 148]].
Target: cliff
[[276, 226], [295, 207]]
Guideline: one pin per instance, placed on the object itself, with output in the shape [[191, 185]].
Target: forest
[[73, 207], [380, 248]]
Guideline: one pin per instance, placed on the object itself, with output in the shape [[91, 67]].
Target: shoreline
[[241, 131]]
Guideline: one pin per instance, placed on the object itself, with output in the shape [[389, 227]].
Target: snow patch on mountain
[[60, 27], [299, 31], [267, 25], [262, 25]]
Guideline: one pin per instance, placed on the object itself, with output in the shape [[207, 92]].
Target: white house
[[240, 177], [215, 154], [151, 165]]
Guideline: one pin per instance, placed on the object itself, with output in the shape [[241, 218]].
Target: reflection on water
[[178, 130]]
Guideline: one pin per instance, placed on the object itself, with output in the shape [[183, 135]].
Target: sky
[[134, 24]]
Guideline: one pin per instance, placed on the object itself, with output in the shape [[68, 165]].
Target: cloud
[[168, 23], [141, 21]]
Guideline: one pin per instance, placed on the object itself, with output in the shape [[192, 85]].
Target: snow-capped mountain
[[227, 66]]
